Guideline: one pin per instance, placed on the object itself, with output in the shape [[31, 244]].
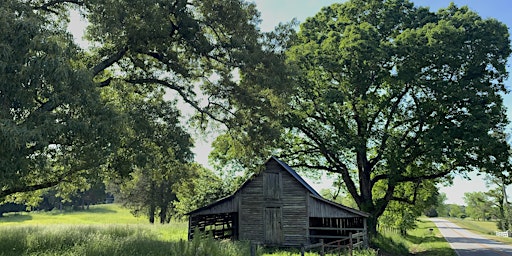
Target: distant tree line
[[491, 205]]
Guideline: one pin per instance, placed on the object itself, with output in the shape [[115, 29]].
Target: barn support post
[[366, 238]]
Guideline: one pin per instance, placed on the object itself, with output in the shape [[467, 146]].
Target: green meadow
[[111, 230]]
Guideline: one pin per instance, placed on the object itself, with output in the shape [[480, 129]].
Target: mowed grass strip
[[424, 240], [484, 228]]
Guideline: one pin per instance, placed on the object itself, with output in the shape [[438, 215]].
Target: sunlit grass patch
[[424, 240], [96, 214]]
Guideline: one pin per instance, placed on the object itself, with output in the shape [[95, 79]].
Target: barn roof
[[293, 173], [340, 206], [296, 176]]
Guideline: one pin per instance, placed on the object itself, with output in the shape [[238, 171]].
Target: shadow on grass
[[92, 210], [388, 246], [423, 239], [437, 252], [15, 218]]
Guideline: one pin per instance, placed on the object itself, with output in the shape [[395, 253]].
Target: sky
[[275, 11]]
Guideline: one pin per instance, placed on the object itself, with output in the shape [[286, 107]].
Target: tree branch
[[342, 168], [385, 137], [48, 5], [425, 177], [29, 188], [109, 61], [406, 200], [180, 91], [317, 167]]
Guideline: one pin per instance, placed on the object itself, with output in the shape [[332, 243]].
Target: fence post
[[322, 249], [302, 250], [350, 244]]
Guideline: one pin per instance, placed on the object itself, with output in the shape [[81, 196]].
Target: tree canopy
[[52, 122], [385, 94], [60, 120]]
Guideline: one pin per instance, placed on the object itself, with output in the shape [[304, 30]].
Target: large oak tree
[[56, 122], [384, 94]]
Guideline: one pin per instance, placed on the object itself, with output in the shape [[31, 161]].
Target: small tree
[[456, 211], [201, 188], [478, 205]]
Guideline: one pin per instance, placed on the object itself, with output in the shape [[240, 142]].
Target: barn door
[[273, 227], [272, 186]]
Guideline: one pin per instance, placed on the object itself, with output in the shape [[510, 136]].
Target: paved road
[[466, 243]]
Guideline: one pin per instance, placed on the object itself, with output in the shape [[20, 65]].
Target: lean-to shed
[[277, 207]]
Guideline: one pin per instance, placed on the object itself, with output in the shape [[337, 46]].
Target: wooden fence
[[504, 234], [339, 245]]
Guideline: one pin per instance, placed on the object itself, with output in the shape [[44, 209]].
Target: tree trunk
[[163, 215], [372, 226], [151, 213]]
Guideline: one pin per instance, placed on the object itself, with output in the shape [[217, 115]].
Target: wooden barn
[[277, 207]]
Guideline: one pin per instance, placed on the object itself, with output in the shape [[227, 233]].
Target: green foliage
[[419, 241], [499, 199], [478, 205], [441, 207], [71, 116], [53, 125], [202, 187], [384, 94], [457, 211], [410, 202]]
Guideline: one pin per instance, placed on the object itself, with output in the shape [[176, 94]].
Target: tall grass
[[106, 240]]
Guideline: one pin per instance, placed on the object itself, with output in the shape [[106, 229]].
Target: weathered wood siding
[[229, 205], [273, 208], [294, 210], [320, 209], [251, 210]]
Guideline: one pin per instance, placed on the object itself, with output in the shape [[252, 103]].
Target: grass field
[[111, 230]]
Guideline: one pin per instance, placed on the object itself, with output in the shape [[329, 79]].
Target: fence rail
[[336, 246], [507, 233]]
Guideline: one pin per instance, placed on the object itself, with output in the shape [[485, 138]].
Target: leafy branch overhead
[[62, 113]]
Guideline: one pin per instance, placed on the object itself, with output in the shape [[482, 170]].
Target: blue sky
[[275, 11]]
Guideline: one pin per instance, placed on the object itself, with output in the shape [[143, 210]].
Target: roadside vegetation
[[425, 240]]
